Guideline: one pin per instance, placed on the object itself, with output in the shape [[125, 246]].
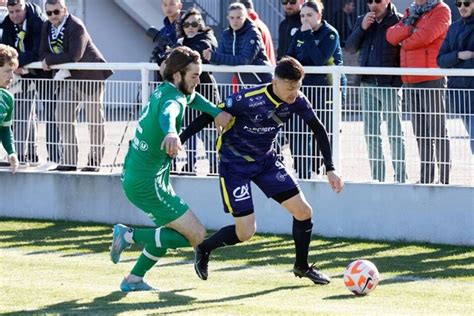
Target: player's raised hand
[[222, 120], [335, 181], [171, 144], [14, 163]]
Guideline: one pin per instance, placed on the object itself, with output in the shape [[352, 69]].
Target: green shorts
[[154, 196]]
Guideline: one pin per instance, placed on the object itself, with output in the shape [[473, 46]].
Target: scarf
[[20, 37], [56, 38], [416, 11]]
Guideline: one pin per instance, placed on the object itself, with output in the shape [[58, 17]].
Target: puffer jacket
[[374, 49], [318, 48], [420, 43], [243, 47], [460, 38]]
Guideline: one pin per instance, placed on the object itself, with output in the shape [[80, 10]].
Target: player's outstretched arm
[[335, 181]]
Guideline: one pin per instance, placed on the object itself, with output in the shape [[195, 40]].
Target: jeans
[[383, 103]]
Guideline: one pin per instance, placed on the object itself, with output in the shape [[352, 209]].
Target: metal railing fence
[[383, 134]]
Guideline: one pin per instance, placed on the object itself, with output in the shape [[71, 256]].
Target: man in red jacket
[[420, 34]]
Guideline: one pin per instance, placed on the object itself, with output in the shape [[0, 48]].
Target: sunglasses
[[55, 12], [372, 1], [285, 2], [466, 4], [193, 24]]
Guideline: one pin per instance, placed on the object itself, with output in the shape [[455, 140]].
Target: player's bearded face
[[190, 80]]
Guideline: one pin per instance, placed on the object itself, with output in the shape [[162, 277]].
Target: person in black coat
[[380, 95], [199, 38], [22, 30], [457, 51], [288, 27]]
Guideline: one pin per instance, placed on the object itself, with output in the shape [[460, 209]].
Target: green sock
[[162, 237], [147, 260]]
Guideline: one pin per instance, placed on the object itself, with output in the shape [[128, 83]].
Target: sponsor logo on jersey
[[259, 130], [241, 193], [229, 103], [143, 146], [255, 104], [258, 118], [238, 97], [293, 31], [281, 176]]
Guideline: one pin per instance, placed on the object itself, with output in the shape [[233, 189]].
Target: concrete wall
[[435, 214]]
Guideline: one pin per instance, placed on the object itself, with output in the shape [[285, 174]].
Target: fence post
[[145, 85], [336, 119]]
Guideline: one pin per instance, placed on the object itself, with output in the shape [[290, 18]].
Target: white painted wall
[[436, 214]]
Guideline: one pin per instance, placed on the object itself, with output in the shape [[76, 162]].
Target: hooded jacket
[[243, 47]]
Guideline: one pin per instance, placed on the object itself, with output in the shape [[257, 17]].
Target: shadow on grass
[[110, 303], [410, 260]]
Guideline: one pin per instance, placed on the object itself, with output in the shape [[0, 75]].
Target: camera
[[163, 43]]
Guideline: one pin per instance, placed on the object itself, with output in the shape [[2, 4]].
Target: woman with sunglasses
[[458, 52], [315, 44], [199, 38]]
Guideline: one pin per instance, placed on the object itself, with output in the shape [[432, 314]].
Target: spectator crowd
[[420, 36]]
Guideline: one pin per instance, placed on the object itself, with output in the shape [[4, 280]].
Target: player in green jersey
[[8, 63], [147, 168]]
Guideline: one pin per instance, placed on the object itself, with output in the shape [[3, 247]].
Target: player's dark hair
[[8, 55], [289, 68], [179, 60]]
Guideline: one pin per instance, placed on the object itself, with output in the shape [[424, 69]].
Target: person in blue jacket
[[241, 44], [315, 44], [457, 51]]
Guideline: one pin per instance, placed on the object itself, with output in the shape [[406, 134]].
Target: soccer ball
[[361, 277]]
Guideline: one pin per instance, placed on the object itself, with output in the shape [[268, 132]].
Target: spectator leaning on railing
[[379, 96], [65, 40], [458, 52], [22, 30], [421, 33], [241, 44], [8, 64], [316, 43]]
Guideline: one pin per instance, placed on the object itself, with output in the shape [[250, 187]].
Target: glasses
[[372, 1], [188, 24], [55, 12], [466, 4], [285, 2]]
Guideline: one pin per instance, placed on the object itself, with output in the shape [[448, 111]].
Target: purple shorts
[[269, 175]]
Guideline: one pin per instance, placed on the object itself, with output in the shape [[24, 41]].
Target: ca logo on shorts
[[241, 193]]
